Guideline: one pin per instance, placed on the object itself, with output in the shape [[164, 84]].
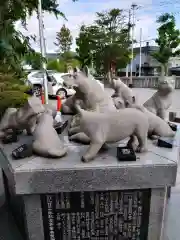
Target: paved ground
[[172, 227]]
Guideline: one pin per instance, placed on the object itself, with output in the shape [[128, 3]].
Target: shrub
[[61, 65], [55, 65], [14, 99], [11, 92]]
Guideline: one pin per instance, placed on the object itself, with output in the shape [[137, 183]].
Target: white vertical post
[[129, 27], [140, 52], [127, 70], [42, 47], [132, 45]]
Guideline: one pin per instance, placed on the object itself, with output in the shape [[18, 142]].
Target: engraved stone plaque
[[105, 215]]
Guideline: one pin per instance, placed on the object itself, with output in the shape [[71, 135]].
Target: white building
[[174, 62], [149, 65]]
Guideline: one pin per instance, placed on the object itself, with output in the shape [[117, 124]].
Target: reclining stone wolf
[[157, 126]]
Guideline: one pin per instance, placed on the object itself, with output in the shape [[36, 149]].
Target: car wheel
[[37, 90], [62, 93]]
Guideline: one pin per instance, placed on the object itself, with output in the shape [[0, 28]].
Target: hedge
[[11, 92]]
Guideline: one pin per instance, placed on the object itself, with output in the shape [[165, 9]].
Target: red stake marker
[[42, 98], [59, 104]]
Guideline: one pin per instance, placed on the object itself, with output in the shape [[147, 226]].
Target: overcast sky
[[84, 11]]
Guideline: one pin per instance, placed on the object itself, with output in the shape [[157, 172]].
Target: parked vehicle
[[56, 83]]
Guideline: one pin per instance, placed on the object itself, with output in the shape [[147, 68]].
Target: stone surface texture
[[8, 231]]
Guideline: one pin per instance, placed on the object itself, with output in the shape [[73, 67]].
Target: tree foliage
[[13, 44], [105, 42], [64, 39], [34, 59], [168, 40]]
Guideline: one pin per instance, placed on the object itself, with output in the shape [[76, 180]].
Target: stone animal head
[[116, 83], [82, 82], [119, 103], [166, 86], [32, 107]]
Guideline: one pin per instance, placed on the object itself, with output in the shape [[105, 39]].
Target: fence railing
[[147, 81]]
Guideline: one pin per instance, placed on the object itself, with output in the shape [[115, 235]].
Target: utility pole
[[129, 27], [133, 7], [43, 51], [140, 52]]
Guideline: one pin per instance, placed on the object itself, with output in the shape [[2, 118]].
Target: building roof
[[174, 69], [144, 49]]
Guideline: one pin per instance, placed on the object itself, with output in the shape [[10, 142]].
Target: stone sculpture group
[[98, 118]]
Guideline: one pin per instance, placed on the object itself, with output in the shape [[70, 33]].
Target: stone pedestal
[[8, 228], [104, 199]]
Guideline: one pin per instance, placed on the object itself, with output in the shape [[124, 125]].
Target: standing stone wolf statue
[[92, 97], [103, 128]]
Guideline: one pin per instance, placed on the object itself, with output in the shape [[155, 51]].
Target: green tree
[[168, 41], [105, 42], [64, 39], [84, 48]]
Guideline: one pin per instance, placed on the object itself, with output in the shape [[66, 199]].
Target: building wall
[[135, 62], [174, 62], [144, 59]]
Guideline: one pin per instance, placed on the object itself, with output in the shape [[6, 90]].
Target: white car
[[56, 84]]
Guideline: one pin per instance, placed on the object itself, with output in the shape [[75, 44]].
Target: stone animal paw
[[141, 149], [85, 159]]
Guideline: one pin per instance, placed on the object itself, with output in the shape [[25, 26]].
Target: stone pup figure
[[103, 128], [161, 100], [23, 118], [122, 91], [46, 140]]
